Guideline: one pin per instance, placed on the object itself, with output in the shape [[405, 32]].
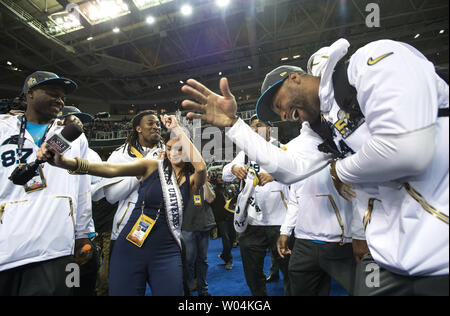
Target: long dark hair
[[133, 138], [188, 168]]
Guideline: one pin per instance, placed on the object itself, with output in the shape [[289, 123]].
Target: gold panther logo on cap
[[31, 81]]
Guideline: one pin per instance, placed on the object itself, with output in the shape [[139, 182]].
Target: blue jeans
[[197, 244]]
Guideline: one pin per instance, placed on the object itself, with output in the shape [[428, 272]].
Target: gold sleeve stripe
[[338, 216]]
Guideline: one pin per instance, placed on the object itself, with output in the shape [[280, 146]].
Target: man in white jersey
[[268, 208], [46, 221], [321, 221], [316, 66], [402, 160]]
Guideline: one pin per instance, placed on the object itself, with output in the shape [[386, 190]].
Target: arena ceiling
[[142, 63]]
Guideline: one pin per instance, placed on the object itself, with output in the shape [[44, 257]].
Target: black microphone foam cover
[[71, 132]]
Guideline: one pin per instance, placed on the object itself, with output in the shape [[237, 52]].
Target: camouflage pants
[[103, 242]]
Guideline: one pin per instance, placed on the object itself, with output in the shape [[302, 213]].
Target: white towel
[[245, 205], [335, 53]]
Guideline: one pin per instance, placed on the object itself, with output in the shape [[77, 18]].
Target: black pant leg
[[372, 280], [228, 234], [305, 275], [431, 286], [49, 278], [253, 245], [10, 281], [339, 263], [273, 233]]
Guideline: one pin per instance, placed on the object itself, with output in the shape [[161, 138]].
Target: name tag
[[197, 200], [37, 182], [140, 230]]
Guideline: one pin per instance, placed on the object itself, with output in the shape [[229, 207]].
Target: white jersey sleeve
[[291, 215], [398, 96], [285, 167], [227, 174], [396, 87], [119, 188], [389, 157]]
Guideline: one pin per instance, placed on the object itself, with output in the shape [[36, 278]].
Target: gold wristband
[[333, 172], [81, 168]]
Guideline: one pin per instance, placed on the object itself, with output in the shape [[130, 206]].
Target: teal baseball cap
[[270, 87], [72, 110]]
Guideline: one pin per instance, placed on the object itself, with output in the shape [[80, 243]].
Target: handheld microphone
[[59, 142]]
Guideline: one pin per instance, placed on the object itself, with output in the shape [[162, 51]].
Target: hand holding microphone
[[50, 151]]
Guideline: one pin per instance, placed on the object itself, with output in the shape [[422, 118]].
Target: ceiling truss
[[126, 68]]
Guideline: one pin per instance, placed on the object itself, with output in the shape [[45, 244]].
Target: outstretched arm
[[220, 110], [139, 168]]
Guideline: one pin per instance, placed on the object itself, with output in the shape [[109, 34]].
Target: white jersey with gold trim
[[402, 154]]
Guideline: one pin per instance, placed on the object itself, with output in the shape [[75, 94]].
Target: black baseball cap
[[270, 87], [39, 78], [71, 110]]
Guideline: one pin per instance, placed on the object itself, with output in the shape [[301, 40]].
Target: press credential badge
[[140, 230]]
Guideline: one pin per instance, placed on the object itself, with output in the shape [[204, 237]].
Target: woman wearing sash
[[148, 248]]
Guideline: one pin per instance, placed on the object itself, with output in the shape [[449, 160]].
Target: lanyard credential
[[37, 182], [143, 225], [136, 152], [21, 140]]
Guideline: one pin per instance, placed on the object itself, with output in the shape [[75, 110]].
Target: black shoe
[[229, 265], [221, 257], [204, 294], [273, 278]]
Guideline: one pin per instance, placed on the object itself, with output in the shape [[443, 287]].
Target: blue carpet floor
[[223, 282]]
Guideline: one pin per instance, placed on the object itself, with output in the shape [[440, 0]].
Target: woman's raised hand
[[169, 121]]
